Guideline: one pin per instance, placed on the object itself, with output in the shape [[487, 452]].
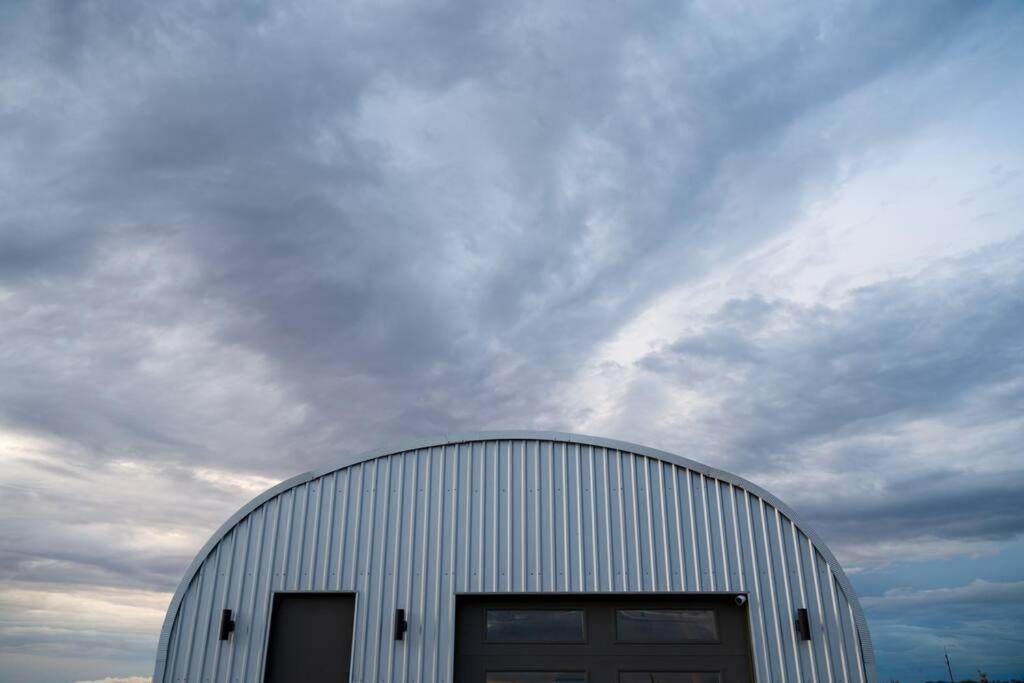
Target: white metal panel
[[554, 513]]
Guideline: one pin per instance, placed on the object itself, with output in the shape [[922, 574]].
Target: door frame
[[270, 617]]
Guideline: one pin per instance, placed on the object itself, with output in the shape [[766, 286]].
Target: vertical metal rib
[[693, 532], [787, 594]]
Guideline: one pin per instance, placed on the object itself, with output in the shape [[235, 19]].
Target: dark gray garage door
[[601, 639]]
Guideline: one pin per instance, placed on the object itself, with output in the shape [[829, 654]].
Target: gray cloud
[[897, 349], [804, 388], [240, 239], [248, 166]]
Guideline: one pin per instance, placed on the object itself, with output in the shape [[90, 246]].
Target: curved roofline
[[527, 435]]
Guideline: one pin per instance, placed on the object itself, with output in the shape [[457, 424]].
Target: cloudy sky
[[239, 240]]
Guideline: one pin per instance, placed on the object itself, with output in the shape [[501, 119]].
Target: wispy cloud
[[978, 591]]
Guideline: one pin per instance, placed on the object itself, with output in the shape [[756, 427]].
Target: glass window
[[669, 677], [535, 625], [536, 677], [665, 625]]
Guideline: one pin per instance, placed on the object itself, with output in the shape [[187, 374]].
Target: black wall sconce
[[227, 624], [401, 625], [803, 624]]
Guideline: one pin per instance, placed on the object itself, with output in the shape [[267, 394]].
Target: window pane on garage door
[[665, 625], [536, 677], [669, 677], [535, 625]]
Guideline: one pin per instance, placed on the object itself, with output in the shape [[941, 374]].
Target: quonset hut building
[[515, 557]]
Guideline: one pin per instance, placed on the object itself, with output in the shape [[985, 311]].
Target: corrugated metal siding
[[414, 528]]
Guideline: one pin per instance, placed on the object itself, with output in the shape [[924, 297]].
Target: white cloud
[[40, 606], [880, 551], [977, 591]]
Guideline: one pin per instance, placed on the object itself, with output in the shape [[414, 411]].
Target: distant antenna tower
[[948, 667]]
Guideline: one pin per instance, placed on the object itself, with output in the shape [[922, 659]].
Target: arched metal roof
[[521, 435]]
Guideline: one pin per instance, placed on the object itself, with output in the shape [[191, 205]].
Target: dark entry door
[[310, 638], [669, 638]]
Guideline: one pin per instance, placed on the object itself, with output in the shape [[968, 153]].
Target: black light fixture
[[803, 624], [401, 625], [227, 624]]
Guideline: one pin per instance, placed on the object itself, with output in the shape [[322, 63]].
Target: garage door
[[601, 639]]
